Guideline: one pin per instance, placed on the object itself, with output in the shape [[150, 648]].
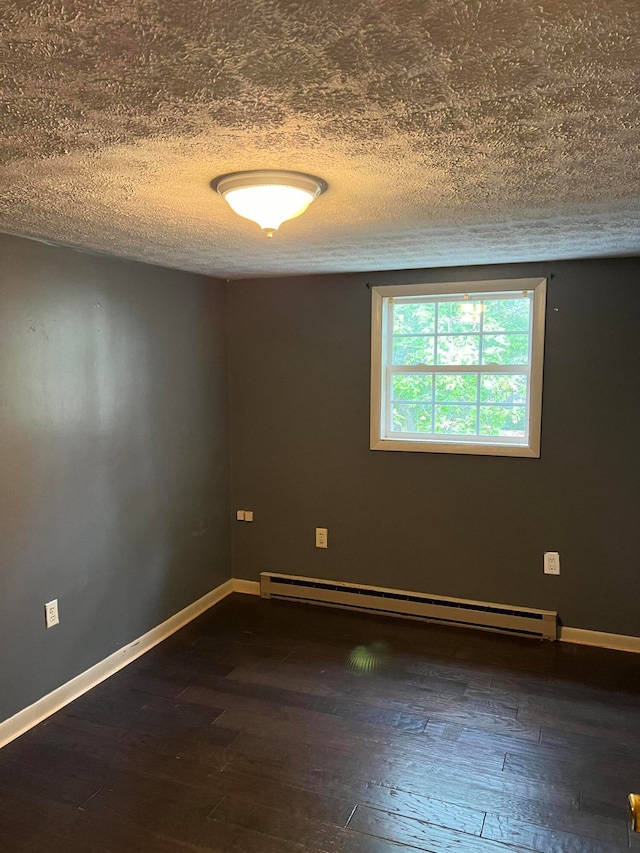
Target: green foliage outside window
[[460, 332]]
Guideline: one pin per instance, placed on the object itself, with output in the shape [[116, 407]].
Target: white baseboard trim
[[621, 642], [61, 696], [246, 587]]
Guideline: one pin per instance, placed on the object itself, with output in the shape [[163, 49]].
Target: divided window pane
[[456, 388], [505, 349], [459, 349], [413, 387], [459, 317], [411, 417], [413, 350], [503, 388], [502, 420], [414, 319], [458, 371], [506, 315], [455, 420]]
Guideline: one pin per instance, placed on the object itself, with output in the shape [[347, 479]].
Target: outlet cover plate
[[51, 616], [322, 535], [552, 563]]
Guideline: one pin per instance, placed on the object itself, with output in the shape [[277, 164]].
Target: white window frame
[[484, 446]]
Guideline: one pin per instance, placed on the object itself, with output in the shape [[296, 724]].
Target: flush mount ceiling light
[[269, 197]]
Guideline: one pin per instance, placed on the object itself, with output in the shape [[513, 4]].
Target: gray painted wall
[[473, 527], [113, 456]]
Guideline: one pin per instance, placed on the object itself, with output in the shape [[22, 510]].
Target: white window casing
[[457, 353]]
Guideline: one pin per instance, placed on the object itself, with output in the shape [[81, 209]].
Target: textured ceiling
[[449, 132]]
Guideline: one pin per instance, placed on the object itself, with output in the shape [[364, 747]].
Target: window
[[457, 368]]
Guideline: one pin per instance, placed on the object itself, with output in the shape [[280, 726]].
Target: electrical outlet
[[51, 616], [321, 537], [552, 563]]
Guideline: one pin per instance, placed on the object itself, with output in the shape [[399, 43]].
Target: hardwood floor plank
[[147, 800], [422, 835], [96, 729], [206, 747], [391, 832], [104, 833], [400, 826], [202, 691], [285, 826], [590, 724], [397, 751], [544, 840], [143, 712], [590, 744], [63, 785], [609, 788], [395, 768], [234, 653], [265, 718], [34, 809], [616, 810], [334, 810], [15, 833], [480, 791], [265, 773], [582, 770], [220, 837]]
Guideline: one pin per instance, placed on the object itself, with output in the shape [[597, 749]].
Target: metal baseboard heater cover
[[503, 618]]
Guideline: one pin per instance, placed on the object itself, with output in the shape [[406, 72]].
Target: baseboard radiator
[[506, 619]]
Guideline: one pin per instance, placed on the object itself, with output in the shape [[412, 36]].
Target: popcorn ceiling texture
[[449, 132]]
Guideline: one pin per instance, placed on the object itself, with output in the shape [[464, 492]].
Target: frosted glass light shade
[[269, 198], [269, 205]]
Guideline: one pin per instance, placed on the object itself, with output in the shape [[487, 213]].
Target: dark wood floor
[[266, 727]]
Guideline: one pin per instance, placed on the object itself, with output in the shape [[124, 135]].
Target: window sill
[[458, 447]]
